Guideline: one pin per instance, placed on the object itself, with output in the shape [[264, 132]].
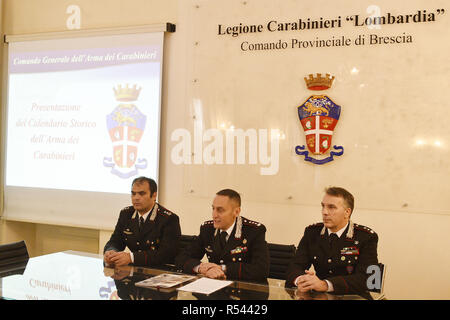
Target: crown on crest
[[127, 93], [319, 82]]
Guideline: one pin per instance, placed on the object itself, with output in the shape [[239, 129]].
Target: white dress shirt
[[229, 230]]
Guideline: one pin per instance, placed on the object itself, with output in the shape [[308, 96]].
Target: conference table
[[73, 275]]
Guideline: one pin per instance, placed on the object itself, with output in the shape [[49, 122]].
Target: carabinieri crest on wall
[[319, 116]]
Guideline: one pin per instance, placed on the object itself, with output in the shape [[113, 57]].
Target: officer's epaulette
[[251, 223], [363, 228], [208, 223], [164, 212], [316, 225], [129, 210]]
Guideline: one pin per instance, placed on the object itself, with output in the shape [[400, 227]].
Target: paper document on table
[[205, 285], [164, 280]]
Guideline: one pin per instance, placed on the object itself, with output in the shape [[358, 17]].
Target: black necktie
[[141, 223], [223, 239], [333, 238]]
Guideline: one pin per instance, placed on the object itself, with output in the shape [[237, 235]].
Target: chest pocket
[[129, 235]]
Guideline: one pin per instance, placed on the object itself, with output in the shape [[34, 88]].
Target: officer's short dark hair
[[349, 201], [233, 195], [151, 183]]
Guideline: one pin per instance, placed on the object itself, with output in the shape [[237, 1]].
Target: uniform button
[[221, 261], [330, 271], [315, 258], [137, 243], [356, 258], [240, 259], [329, 260], [234, 259]]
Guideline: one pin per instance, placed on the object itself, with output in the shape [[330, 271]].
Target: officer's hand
[[205, 266], [309, 281], [107, 257], [121, 258], [216, 273]]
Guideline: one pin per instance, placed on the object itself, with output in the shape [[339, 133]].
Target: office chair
[[185, 241], [13, 258], [280, 258]]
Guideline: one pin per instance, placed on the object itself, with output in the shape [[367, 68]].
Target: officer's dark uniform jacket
[[246, 254], [344, 265], [157, 241]]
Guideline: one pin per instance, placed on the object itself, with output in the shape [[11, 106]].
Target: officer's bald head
[[232, 195]]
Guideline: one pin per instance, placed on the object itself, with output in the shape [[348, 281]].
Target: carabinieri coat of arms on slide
[[126, 125]]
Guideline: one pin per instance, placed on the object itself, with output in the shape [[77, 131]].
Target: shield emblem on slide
[[126, 125]]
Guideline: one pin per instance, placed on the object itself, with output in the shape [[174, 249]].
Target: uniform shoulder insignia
[[316, 225], [363, 228], [163, 211], [208, 223], [251, 223], [129, 209]]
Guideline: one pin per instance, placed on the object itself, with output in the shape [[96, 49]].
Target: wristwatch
[[224, 268]]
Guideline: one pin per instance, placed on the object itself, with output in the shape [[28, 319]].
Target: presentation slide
[[83, 119], [83, 114]]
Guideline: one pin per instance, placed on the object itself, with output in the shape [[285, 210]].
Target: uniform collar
[[145, 215], [350, 231], [339, 232], [230, 229], [237, 234]]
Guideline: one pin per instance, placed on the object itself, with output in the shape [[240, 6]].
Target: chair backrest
[[185, 241], [280, 258], [13, 258]]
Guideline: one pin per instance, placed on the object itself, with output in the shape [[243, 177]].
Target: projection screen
[[83, 120]]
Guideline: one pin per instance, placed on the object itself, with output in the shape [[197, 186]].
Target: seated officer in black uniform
[[339, 249], [150, 231], [235, 246]]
